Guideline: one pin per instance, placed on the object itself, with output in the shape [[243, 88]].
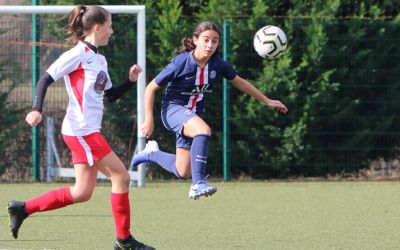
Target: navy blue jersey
[[188, 84]]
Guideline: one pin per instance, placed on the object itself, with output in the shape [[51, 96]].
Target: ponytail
[[82, 19], [187, 44], [75, 25]]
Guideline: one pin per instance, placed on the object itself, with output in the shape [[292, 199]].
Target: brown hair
[[187, 43], [81, 20]]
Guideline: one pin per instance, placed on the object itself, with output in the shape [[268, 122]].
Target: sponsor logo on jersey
[[199, 89]]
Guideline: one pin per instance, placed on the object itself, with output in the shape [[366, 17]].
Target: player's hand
[[134, 72], [33, 118], [147, 128], [278, 105]]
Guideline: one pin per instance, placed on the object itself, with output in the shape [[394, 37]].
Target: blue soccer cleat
[[201, 188], [143, 156]]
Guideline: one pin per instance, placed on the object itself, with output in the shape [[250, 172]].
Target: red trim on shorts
[[87, 148]]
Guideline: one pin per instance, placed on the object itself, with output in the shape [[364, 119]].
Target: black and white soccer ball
[[270, 42]]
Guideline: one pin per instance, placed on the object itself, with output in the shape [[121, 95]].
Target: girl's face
[[104, 32], [206, 43]]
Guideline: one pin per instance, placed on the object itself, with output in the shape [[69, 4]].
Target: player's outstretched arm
[[149, 96], [246, 87]]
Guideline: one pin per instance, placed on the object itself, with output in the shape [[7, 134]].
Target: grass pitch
[[241, 215]]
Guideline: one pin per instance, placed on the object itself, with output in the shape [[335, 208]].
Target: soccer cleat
[[16, 210], [143, 156], [130, 244], [201, 188]]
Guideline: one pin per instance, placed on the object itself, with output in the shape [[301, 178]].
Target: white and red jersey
[[86, 77]]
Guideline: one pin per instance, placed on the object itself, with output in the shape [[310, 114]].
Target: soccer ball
[[270, 42]]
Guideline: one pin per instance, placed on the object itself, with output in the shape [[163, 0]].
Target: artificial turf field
[[241, 215]]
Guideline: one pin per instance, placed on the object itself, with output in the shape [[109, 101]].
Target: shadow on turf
[[64, 215], [36, 240]]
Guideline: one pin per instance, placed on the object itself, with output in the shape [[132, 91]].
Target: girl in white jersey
[[87, 82]]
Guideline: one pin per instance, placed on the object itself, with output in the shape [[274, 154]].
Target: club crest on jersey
[[100, 83], [213, 74]]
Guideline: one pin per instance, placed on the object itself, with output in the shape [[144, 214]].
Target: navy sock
[[198, 157], [166, 160]]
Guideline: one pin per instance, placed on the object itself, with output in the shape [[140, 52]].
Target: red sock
[[122, 214], [54, 199]]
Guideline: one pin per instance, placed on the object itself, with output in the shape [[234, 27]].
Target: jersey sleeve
[[41, 89], [227, 70], [115, 92], [65, 64], [167, 74]]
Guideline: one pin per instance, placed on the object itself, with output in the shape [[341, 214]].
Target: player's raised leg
[[152, 153], [82, 190]]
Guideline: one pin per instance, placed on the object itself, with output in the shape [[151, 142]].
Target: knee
[[208, 131], [122, 179], [82, 196], [184, 173], [126, 179], [204, 130]]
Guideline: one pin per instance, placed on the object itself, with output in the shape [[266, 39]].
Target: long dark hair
[[81, 20], [187, 43]]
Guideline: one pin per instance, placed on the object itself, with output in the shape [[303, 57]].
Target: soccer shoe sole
[[205, 193], [14, 232], [118, 246]]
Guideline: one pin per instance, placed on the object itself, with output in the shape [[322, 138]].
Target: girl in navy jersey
[[190, 78], [87, 82]]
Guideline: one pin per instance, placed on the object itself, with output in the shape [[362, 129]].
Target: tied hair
[[81, 20], [83, 10], [187, 44], [75, 26]]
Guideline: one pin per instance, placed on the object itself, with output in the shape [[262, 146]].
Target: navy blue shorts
[[174, 116]]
